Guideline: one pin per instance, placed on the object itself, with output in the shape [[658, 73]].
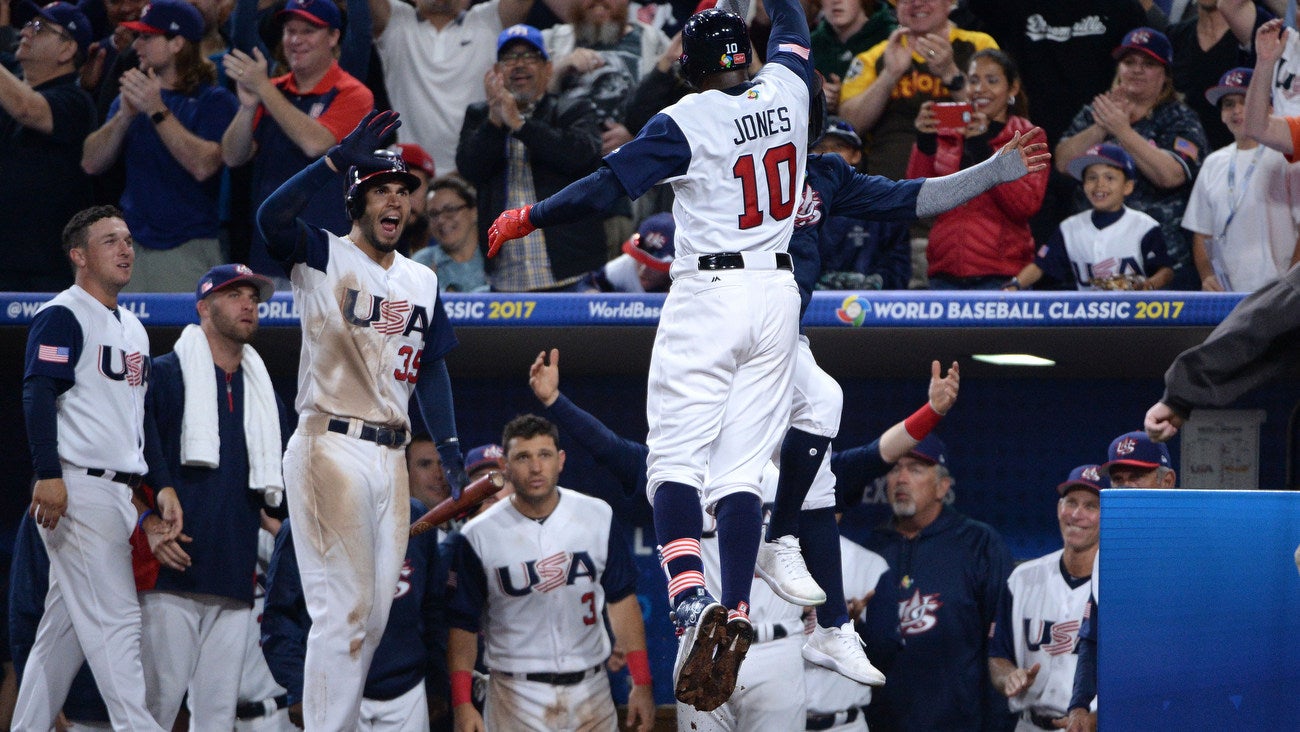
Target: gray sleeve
[[739, 7], [950, 191]]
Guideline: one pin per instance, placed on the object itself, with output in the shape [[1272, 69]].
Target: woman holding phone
[[978, 245]]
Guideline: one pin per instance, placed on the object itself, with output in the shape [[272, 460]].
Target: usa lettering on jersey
[[118, 365], [543, 575], [1051, 637], [388, 317]]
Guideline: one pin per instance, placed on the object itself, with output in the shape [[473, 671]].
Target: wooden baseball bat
[[473, 494]]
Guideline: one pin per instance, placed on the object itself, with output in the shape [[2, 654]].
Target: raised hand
[[544, 379], [359, 147], [1270, 42], [1034, 155], [943, 389]]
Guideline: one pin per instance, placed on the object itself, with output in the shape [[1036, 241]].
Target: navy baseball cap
[[1136, 449], [930, 450], [68, 16], [1149, 41], [484, 456], [525, 33], [229, 275], [1233, 81], [840, 129], [1106, 154], [652, 244], [1088, 477], [320, 13], [170, 17]]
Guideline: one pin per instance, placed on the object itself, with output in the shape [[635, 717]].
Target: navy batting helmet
[[713, 41], [387, 166]]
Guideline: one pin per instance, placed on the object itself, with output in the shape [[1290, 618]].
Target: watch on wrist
[[158, 117], [957, 84]]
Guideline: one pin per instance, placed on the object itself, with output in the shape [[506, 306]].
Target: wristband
[[462, 688], [139, 523], [921, 422], [1013, 283], [638, 665]]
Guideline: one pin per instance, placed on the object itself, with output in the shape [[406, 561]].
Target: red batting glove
[[511, 224]]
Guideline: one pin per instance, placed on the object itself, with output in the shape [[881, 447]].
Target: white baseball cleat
[[841, 650], [781, 565]]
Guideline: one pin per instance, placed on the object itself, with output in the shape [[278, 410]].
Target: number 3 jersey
[[538, 589], [365, 330], [735, 159]]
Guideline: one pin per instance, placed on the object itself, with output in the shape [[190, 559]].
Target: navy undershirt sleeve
[[288, 238], [622, 457], [466, 600], [54, 345], [581, 199], [619, 578]]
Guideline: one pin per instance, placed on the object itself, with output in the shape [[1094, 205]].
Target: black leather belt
[[568, 679], [730, 260], [128, 479], [1041, 721], [826, 721], [259, 709], [386, 436]]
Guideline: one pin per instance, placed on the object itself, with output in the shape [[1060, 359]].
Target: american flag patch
[[53, 354], [799, 51], [1105, 268], [1186, 148]]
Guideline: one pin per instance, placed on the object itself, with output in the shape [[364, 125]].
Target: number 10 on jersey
[[778, 162]]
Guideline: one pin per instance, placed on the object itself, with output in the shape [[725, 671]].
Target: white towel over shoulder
[[200, 439]]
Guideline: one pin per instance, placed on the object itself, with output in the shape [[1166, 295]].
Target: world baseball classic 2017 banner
[[885, 309]]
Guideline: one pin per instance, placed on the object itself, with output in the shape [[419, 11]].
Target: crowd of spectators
[[188, 113]]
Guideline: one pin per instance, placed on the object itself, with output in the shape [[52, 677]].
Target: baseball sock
[[820, 539], [740, 528], [801, 456], [678, 525]]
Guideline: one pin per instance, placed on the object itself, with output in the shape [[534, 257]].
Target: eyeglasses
[[437, 213], [521, 57], [44, 26]]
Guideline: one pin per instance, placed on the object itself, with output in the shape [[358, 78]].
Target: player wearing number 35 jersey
[[723, 361], [374, 330]]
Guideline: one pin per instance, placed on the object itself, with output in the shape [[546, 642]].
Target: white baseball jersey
[[829, 691], [543, 584], [760, 138], [1044, 619], [1099, 253], [101, 418], [364, 330]]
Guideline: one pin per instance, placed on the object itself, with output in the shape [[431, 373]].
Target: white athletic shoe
[[781, 565], [841, 650]]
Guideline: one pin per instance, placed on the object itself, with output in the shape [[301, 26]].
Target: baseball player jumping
[[723, 360], [374, 330]]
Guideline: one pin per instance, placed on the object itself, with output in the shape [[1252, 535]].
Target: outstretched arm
[[622, 457], [1018, 158]]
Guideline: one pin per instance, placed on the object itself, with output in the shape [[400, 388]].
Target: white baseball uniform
[[92, 613], [365, 329], [830, 693], [1043, 628], [817, 403], [725, 344], [537, 590]]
